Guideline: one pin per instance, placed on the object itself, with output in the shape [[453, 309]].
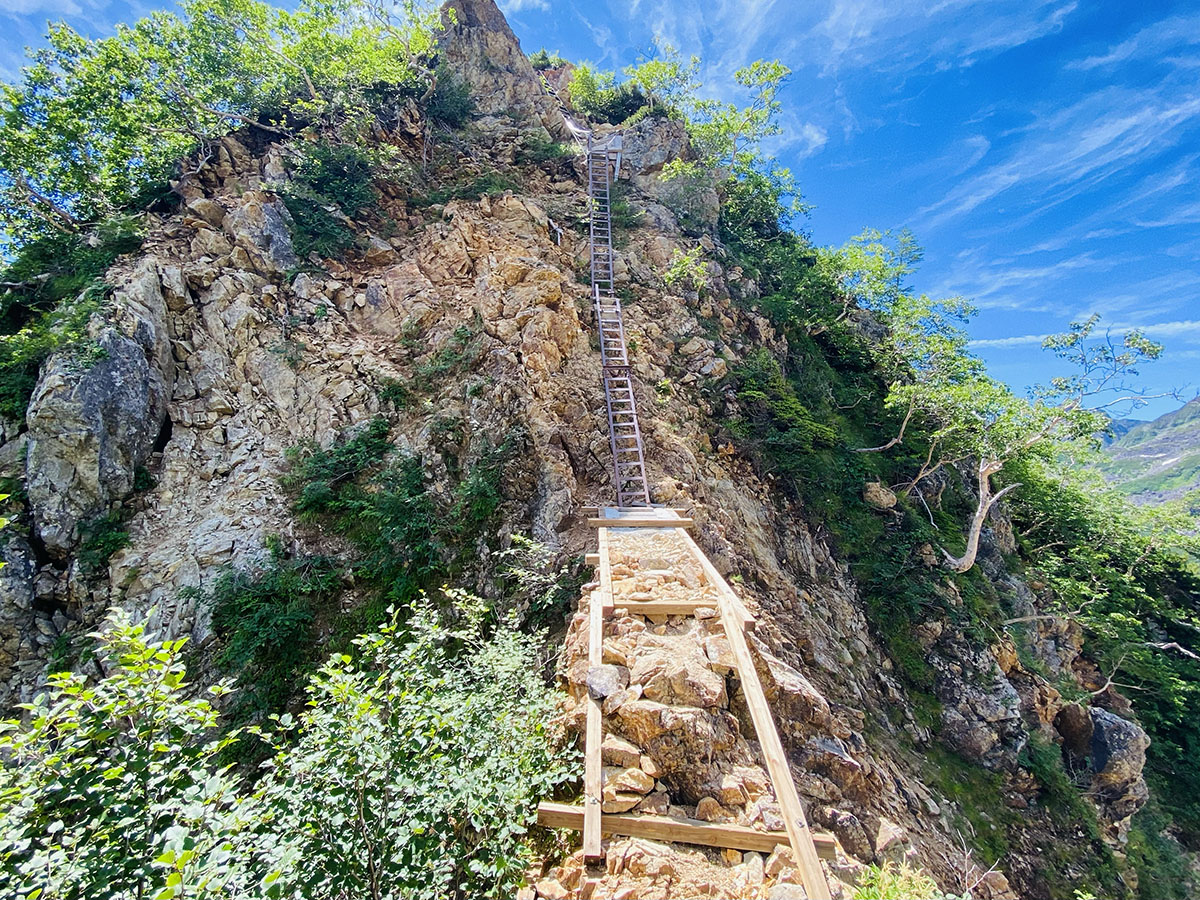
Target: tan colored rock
[[656, 804], [551, 890], [628, 779], [879, 495], [617, 751], [781, 858], [709, 810], [649, 766]]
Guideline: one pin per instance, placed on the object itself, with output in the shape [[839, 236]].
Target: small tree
[[974, 416], [666, 79]]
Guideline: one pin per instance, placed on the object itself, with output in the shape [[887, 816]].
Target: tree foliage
[[414, 773], [93, 124]]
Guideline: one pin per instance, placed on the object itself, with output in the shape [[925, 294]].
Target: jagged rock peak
[[479, 46]]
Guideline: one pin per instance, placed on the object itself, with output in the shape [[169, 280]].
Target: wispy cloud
[[1153, 40], [517, 6]]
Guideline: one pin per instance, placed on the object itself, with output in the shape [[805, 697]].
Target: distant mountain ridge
[[1157, 460]]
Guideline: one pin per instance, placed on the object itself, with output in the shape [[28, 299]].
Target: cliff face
[[221, 355]]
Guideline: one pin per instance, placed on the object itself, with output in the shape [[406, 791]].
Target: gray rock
[[259, 225], [479, 46], [91, 427], [605, 680]]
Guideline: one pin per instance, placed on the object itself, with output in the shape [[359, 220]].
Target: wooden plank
[[639, 522], [799, 834], [717, 580], [677, 830], [592, 559], [663, 607], [593, 770]]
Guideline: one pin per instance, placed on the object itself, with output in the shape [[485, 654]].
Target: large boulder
[[1118, 756], [92, 426]]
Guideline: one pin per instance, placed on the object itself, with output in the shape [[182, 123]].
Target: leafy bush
[[340, 173], [684, 186], [491, 184], [407, 538], [451, 102], [417, 769], [783, 424], [537, 590], [315, 228], [57, 288], [264, 616], [92, 124], [687, 268], [111, 788], [319, 473], [896, 882], [102, 538], [536, 150], [414, 773], [598, 96]]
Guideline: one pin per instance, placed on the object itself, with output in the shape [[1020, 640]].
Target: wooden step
[[677, 830]]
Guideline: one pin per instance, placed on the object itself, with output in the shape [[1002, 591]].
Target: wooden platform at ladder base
[[639, 522], [677, 830]]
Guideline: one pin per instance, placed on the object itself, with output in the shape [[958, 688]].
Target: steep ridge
[[226, 349], [1158, 460]]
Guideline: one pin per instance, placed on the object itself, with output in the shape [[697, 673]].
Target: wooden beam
[[717, 580], [677, 830], [800, 836], [593, 770], [663, 607], [592, 559], [639, 522]]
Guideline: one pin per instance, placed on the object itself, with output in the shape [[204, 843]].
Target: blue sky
[[1045, 152]]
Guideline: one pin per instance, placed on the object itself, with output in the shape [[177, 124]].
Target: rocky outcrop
[[92, 424], [1118, 755], [479, 47]]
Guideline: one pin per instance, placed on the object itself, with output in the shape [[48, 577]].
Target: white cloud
[[516, 6], [54, 8], [1151, 41], [1020, 340]]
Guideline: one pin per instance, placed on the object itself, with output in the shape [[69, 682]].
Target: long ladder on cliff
[[624, 432]]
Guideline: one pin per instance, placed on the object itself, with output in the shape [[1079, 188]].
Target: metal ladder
[[624, 433]]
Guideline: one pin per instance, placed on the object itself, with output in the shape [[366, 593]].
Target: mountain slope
[[1158, 460]]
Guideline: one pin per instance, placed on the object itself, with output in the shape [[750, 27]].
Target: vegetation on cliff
[[424, 745]]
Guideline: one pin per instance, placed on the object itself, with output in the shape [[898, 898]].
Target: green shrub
[[542, 60], [535, 150], [102, 538], [417, 768], [59, 289], [414, 772], [264, 616], [339, 173], [896, 882], [112, 787], [687, 269], [60, 266], [315, 228], [451, 102], [318, 474], [490, 184], [598, 96]]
